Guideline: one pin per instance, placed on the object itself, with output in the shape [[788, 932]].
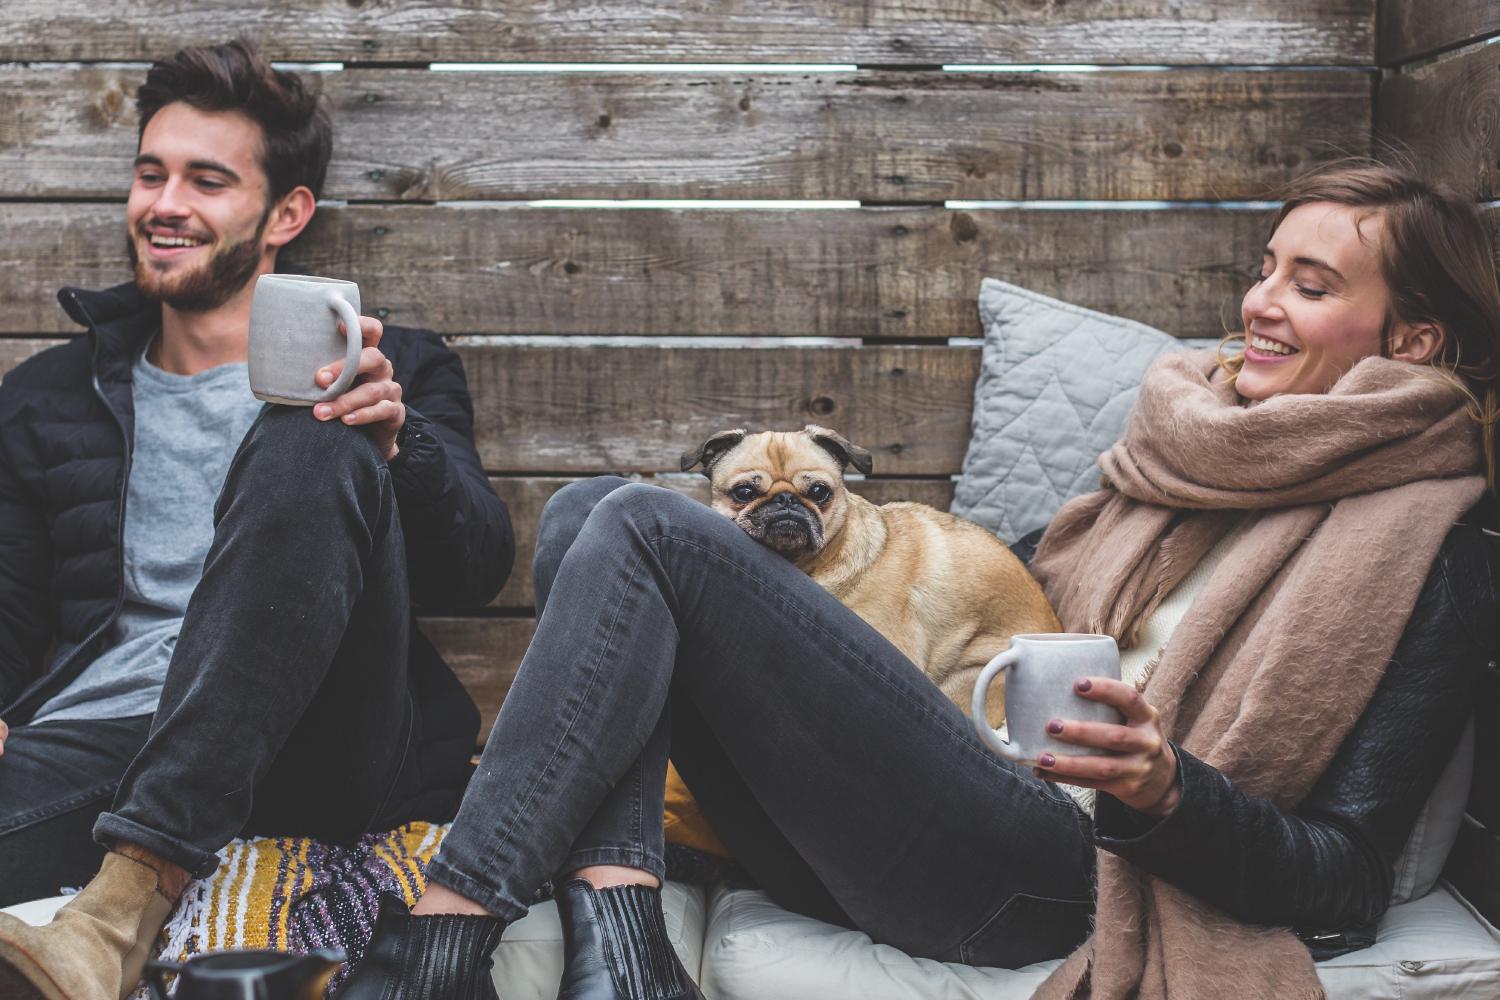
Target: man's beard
[[208, 285]]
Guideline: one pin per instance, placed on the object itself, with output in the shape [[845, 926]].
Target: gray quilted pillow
[[1055, 386]]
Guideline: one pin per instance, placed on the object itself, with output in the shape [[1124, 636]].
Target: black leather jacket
[[1327, 867]]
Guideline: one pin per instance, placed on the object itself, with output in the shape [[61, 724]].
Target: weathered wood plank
[[1410, 29], [14, 350], [635, 409], [873, 136], [905, 273], [587, 410], [1448, 114], [525, 498], [484, 653], [888, 32]]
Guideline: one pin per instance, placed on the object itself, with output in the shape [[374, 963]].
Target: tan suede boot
[[97, 945]]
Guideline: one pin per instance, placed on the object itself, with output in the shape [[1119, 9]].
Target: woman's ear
[[1417, 344]]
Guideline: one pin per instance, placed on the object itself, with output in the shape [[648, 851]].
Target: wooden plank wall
[[1438, 103], [839, 314]]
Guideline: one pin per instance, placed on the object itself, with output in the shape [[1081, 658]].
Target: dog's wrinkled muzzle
[[783, 523]]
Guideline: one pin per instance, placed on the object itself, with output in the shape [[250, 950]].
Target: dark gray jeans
[[285, 708], [836, 773]]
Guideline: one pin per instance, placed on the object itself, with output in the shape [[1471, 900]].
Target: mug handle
[[153, 976], [355, 345], [1007, 659]]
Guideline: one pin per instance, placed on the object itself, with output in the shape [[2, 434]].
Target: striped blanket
[[292, 894]]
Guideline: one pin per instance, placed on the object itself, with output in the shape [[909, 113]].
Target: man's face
[[198, 207]]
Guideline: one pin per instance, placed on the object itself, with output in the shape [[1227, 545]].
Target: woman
[[1267, 773]]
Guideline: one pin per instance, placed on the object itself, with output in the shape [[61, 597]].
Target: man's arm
[[459, 542]]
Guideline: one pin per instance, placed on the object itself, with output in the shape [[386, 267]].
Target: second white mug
[[1043, 669]]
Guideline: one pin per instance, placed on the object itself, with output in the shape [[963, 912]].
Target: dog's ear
[[840, 448], [710, 451]]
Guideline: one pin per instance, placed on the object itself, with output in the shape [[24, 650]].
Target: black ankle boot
[[615, 946], [442, 957]]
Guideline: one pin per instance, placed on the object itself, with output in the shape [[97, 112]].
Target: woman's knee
[[564, 514], [562, 519]]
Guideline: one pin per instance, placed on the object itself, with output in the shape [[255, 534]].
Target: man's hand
[[1142, 770], [374, 400], [4, 732]]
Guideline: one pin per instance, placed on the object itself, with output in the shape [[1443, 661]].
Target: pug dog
[[944, 591]]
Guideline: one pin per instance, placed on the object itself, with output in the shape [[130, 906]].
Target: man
[[205, 604]]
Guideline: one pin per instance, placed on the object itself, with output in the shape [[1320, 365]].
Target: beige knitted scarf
[[1349, 496]]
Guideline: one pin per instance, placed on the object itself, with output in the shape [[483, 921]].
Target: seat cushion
[[37, 911], [528, 961], [1429, 948]]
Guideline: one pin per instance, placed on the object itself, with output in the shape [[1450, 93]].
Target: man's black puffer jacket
[[1327, 867], [66, 430]]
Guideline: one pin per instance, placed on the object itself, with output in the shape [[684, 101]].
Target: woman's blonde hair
[[1437, 259]]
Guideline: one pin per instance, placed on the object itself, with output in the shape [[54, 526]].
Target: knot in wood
[[820, 406], [963, 227]]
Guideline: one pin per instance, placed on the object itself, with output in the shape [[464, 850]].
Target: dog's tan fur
[[944, 591]]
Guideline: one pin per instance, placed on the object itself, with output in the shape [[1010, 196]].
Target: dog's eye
[[818, 492], [743, 493]]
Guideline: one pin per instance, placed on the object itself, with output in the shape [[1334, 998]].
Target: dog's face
[[785, 489]]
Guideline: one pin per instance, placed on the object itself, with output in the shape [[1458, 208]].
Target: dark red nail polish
[[1046, 760], [1055, 726], [1085, 684]]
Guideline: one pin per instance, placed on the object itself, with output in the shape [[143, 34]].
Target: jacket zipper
[[124, 488]]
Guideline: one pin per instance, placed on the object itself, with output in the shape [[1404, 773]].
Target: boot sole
[[22, 979]]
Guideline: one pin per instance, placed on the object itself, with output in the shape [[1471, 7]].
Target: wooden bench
[[463, 201]]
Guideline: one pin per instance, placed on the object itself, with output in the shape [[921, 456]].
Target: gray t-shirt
[[187, 429]]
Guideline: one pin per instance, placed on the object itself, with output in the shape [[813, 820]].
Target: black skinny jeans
[[835, 772], [285, 708]]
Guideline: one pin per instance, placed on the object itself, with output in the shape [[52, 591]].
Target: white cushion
[[528, 960], [1056, 382], [1432, 835], [1435, 947], [37, 911], [758, 951]]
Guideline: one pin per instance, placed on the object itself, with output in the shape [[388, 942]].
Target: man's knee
[[291, 459]]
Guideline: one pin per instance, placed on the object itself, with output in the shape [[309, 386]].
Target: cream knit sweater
[[1137, 661]]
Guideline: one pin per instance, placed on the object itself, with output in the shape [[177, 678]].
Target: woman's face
[[1319, 304]]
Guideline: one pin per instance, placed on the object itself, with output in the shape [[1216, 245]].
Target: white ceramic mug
[[294, 332], [1043, 669]]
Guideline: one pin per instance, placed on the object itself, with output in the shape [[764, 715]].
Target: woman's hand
[[1142, 771], [374, 400]]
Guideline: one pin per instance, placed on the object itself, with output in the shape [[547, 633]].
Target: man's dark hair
[[236, 77]]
